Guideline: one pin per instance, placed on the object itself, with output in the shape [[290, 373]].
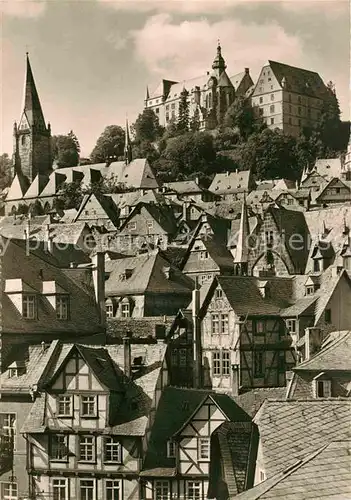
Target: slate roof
[[301, 81], [162, 214], [106, 204], [324, 474], [230, 182], [335, 355], [290, 429], [148, 275], [252, 400], [183, 187], [175, 408]]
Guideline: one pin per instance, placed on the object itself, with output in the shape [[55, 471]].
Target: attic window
[[309, 289], [16, 370], [29, 306], [321, 388], [219, 293], [203, 255]]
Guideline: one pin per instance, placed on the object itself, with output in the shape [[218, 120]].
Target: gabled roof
[[324, 474], [231, 182], [36, 187], [328, 167], [291, 429], [162, 214], [335, 355], [301, 81], [252, 400], [148, 274], [106, 204], [183, 187], [332, 182]]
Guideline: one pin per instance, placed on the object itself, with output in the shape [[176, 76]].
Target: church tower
[[32, 138], [218, 64]]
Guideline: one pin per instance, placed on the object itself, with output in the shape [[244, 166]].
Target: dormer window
[[291, 325], [29, 306], [16, 370], [219, 293], [171, 449], [203, 255], [125, 308], [109, 309], [321, 388], [309, 289], [62, 307]]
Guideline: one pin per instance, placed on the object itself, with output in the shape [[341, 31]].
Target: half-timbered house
[[86, 431], [180, 458]]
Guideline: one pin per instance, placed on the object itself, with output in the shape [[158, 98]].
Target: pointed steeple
[[147, 93], [219, 64], [127, 146], [242, 248], [31, 103]]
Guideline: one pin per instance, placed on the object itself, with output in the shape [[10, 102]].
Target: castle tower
[[32, 138], [127, 146], [218, 64]]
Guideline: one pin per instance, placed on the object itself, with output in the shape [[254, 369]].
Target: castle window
[[321, 388], [260, 111], [64, 406], [113, 489], [203, 255], [125, 309], [272, 108], [272, 121], [162, 490], [261, 100], [219, 293], [59, 488], [157, 110], [272, 97]]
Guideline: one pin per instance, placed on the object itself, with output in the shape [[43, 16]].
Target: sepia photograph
[[175, 250]]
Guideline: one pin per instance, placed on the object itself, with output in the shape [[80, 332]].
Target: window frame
[[221, 363], [63, 483], [62, 300], [162, 483], [203, 442], [11, 495], [258, 366], [117, 485], [58, 402], [196, 486], [125, 310], [84, 414], [29, 300], [58, 447], [82, 480], [85, 437], [11, 428], [109, 310], [291, 324], [111, 442], [171, 449], [203, 255]]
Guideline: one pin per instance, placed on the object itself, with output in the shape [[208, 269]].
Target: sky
[[92, 59]]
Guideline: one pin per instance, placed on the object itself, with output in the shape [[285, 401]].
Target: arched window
[[23, 140]]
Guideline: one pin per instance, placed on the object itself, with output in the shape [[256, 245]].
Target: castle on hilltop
[[209, 95]]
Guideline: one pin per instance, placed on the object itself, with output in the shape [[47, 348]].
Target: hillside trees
[[65, 150], [110, 144]]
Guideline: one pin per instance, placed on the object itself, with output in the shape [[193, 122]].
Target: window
[[272, 108], [58, 447], [59, 489], [132, 226], [29, 306], [322, 388], [193, 490], [62, 307], [88, 406], [150, 224], [113, 489], [272, 121], [8, 427], [260, 111], [162, 490], [125, 310], [262, 476], [173, 105], [258, 364], [113, 450], [9, 491], [171, 449], [316, 265], [109, 311], [269, 237], [87, 489], [260, 327], [203, 255], [299, 110], [157, 110], [64, 406], [204, 449], [219, 293], [219, 323], [261, 100], [291, 325], [221, 363], [272, 97], [327, 316], [87, 448], [309, 290]]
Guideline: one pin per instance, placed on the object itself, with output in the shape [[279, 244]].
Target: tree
[[242, 116], [183, 114], [65, 150], [110, 144], [70, 195], [146, 127], [146, 150], [270, 155], [195, 121], [5, 170]]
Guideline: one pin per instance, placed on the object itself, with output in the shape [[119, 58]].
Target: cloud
[[22, 8], [221, 6], [186, 49]]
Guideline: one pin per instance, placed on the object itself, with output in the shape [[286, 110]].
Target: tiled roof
[[324, 474], [290, 429], [230, 182], [328, 167], [148, 274], [335, 355], [35, 421], [183, 187], [252, 400], [304, 306]]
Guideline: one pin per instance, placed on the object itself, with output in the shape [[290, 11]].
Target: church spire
[[242, 247], [219, 63], [147, 93], [31, 103], [127, 146]]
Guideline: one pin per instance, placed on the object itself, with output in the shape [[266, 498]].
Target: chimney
[[98, 261], [127, 355], [247, 70], [160, 332], [313, 341], [197, 351], [235, 380], [197, 180]]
